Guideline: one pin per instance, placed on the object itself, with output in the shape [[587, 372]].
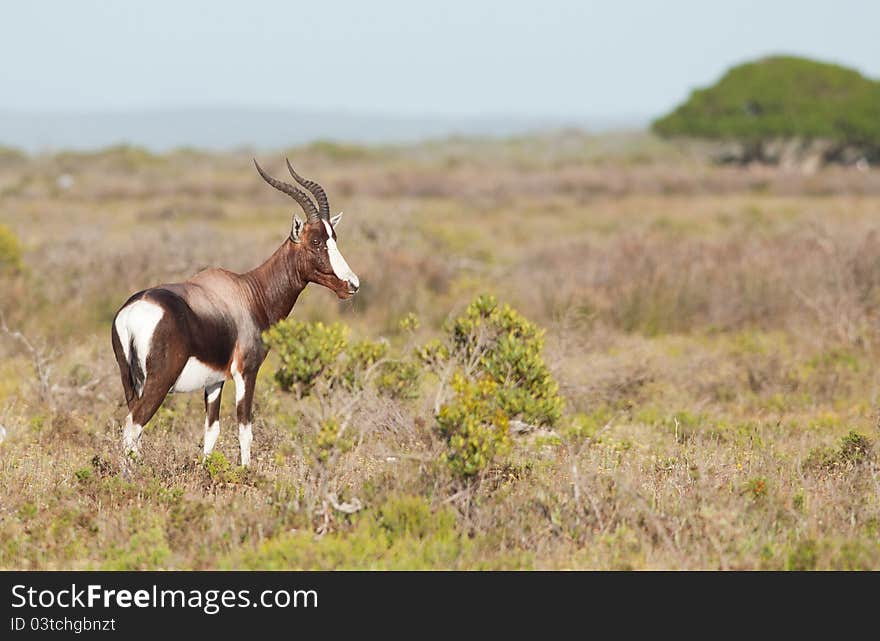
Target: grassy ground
[[713, 331]]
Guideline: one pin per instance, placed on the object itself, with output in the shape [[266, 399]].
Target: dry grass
[[713, 330]]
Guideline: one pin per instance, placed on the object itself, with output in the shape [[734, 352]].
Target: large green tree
[[782, 97]]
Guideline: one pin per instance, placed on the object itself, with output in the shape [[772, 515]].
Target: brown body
[[199, 333]]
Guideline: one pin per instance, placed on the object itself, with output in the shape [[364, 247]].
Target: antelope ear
[[296, 229], [335, 220]]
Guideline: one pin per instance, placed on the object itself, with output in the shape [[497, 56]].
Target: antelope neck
[[276, 284]]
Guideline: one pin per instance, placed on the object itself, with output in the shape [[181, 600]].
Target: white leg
[[211, 433], [239, 385], [212, 430], [245, 438], [245, 431], [131, 437]]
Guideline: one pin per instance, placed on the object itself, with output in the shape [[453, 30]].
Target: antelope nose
[[354, 284]]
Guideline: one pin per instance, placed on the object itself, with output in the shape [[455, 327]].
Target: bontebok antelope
[[198, 334]]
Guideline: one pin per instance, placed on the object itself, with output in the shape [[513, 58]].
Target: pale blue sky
[[450, 57]]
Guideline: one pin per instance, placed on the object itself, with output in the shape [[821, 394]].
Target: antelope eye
[[316, 242]]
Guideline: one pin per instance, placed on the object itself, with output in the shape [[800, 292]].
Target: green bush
[[782, 97], [399, 379], [756, 488], [10, 251], [853, 450], [361, 356], [411, 516], [490, 355], [221, 470], [498, 374], [306, 351], [474, 425], [434, 353], [409, 323], [310, 352], [496, 341], [331, 438], [83, 474]]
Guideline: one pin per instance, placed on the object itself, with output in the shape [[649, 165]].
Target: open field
[[714, 333]]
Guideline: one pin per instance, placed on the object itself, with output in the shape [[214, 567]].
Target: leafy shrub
[[434, 353], [412, 516], [361, 356], [474, 425], [409, 323], [399, 379], [498, 374], [396, 378], [330, 438], [492, 353], [586, 426], [496, 341], [221, 470], [853, 450], [756, 488], [782, 97], [10, 251], [306, 351], [83, 474], [310, 352]]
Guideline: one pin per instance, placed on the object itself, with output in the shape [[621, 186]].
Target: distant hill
[[821, 107], [229, 128]]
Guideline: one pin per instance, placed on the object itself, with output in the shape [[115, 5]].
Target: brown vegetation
[[713, 332]]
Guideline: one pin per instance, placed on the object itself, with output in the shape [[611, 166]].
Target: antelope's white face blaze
[[337, 262]]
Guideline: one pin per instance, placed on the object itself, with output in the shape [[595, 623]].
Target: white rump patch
[[337, 262], [196, 375], [135, 325]]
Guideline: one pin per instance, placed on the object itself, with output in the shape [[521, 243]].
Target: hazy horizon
[[226, 128], [477, 66]]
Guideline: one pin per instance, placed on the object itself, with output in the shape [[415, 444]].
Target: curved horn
[[316, 189], [298, 195]]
